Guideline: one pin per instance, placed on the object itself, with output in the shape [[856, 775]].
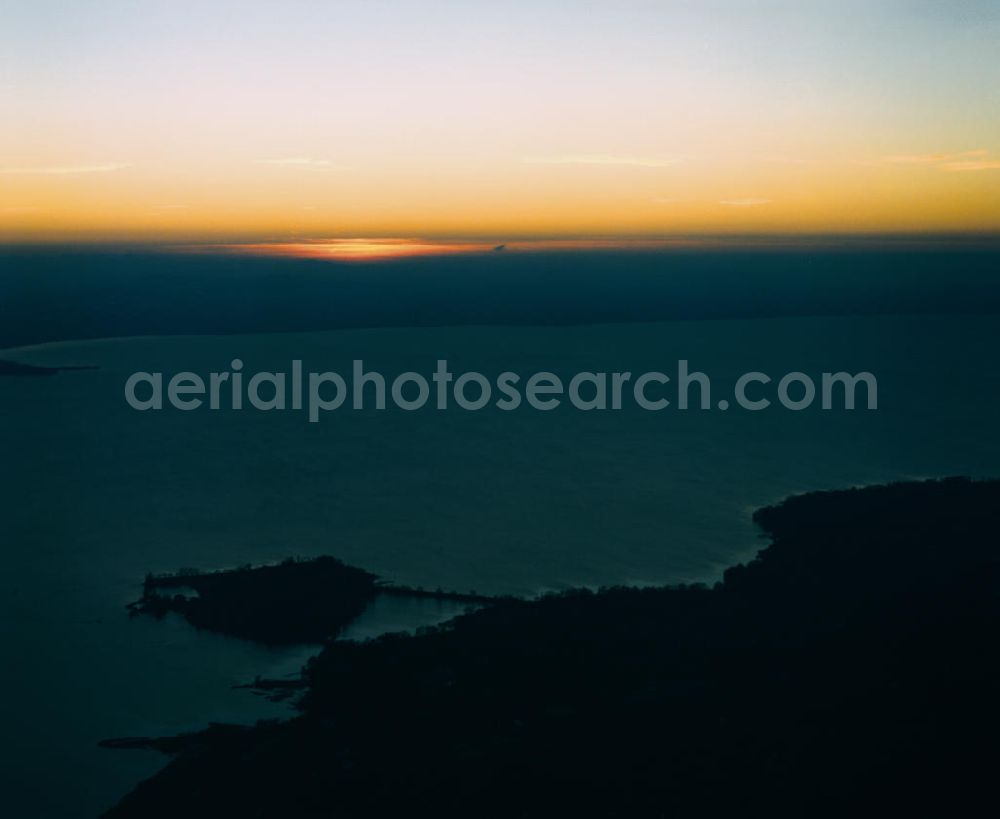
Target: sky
[[260, 121]]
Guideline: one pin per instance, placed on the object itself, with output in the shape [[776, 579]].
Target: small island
[[296, 601], [852, 664]]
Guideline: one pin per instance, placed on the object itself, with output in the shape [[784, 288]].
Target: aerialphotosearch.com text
[[318, 393]]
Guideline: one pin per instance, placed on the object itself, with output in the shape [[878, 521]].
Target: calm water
[[96, 494]]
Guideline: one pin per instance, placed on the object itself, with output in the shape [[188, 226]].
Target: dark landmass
[[105, 292], [14, 368], [297, 601], [850, 668]]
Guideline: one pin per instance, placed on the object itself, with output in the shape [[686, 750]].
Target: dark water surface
[[94, 494]]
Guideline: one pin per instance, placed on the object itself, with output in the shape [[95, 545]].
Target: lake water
[[95, 495]]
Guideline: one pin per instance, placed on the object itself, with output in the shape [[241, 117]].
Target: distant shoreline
[[17, 369]]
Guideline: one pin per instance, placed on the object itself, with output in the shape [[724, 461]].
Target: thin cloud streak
[[744, 203], [64, 170], [789, 160], [933, 159], [972, 165], [605, 159], [301, 163]]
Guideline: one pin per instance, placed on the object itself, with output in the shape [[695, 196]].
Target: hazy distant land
[[111, 292]]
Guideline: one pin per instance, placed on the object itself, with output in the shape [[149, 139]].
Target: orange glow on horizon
[[377, 249]]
